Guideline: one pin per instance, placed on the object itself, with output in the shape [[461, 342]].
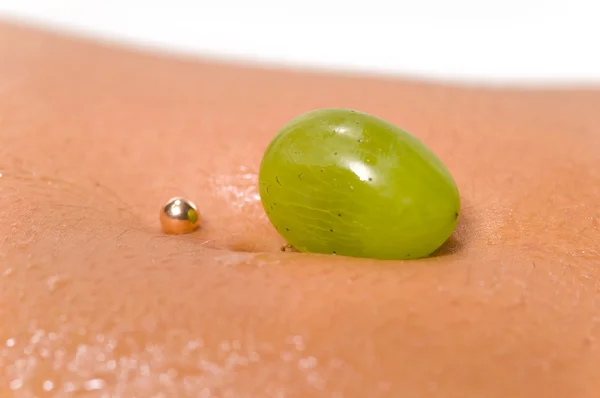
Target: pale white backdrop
[[499, 41]]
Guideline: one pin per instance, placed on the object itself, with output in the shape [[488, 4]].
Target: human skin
[[95, 299]]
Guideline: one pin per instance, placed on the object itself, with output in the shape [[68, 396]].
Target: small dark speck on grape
[[300, 176], [334, 252], [321, 170], [331, 230], [370, 179], [335, 153], [357, 122], [339, 214], [277, 178], [455, 215], [287, 229]]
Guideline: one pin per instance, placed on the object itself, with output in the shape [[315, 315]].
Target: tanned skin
[[96, 301]]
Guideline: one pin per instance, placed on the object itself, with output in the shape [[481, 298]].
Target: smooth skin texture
[[95, 299], [343, 182]]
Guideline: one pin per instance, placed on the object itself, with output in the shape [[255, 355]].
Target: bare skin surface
[[96, 302]]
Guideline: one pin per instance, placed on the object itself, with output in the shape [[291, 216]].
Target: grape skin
[[344, 182]]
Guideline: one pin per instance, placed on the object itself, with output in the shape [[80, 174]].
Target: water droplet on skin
[[307, 363], [298, 342], [16, 384], [286, 356], [315, 380], [93, 384], [225, 346], [37, 336], [240, 191], [44, 353], [57, 282], [10, 343], [194, 345], [48, 385]]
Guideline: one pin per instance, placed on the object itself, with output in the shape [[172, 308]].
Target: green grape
[[344, 182]]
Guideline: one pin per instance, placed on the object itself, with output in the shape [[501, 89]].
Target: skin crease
[[95, 300]]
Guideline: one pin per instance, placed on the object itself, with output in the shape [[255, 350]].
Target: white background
[[498, 41]]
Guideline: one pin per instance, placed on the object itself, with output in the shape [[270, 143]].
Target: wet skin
[[93, 298]]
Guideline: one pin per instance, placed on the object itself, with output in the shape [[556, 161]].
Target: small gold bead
[[179, 216]]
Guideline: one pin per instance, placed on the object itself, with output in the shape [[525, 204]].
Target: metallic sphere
[[179, 216]]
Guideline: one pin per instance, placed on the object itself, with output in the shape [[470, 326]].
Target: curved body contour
[[343, 182]]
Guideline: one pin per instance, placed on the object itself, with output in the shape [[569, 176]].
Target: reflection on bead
[[179, 216]]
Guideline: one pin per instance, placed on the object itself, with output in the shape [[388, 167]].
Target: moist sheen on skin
[[343, 182]]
